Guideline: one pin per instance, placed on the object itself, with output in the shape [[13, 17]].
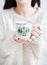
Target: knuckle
[[33, 32], [33, 37]]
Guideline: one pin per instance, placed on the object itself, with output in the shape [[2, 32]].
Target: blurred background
[[44, 7]]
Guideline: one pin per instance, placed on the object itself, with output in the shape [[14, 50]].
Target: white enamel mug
[[23, 29]]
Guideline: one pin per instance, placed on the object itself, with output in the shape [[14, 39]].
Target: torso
[[30, 51]]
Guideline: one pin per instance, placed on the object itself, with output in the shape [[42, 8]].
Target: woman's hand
[[21, 40], [35, 34]]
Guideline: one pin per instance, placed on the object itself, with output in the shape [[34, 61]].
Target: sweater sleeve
[[45, 29], [2, 35], [44, 25]]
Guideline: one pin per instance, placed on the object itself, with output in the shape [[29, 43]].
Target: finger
[[19, 41], [38, 26], [29, 40], [35, 34], [15, 38], [22, 40], [37, 31], [33, 37]]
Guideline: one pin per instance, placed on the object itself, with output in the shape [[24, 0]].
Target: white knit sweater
[[13, 53]]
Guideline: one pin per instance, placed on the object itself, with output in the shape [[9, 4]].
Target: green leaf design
[[27, 30], [23, 34], [19, 31]]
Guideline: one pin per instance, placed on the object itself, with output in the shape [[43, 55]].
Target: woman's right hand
[[21, 40]]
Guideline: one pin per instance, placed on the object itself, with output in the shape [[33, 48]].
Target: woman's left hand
[[36, 32]]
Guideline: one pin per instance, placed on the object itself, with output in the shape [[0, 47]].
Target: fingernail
[[18, 38]]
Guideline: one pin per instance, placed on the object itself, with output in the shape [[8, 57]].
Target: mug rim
[[23, 23]]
